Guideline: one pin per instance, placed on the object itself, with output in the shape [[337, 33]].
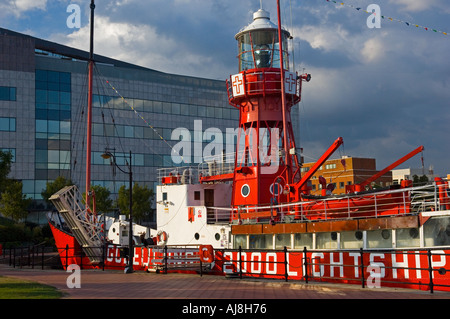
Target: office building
[[43, 101]]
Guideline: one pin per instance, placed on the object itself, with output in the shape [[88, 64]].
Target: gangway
[[68, 201]]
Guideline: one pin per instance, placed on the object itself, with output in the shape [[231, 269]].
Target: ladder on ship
[[68, 201]]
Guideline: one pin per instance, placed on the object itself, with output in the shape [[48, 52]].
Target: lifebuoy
[[162, 237], [206, 253]]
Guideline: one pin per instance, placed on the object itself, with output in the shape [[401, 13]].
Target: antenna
[[261, 4]]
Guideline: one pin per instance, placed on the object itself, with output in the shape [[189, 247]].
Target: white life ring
[[161, 236]]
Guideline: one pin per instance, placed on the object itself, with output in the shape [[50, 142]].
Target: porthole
[[217, 236], [245, 190], [414, 232], [385, 234], [359, 235], [197, 236]]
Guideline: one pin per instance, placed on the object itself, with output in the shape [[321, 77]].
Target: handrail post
[[103, 256], [430, 270], [240, 262], [305, 268], [67, 256], [285, 264], [362, 268], [201, 270], [376, 208], [165, 259]]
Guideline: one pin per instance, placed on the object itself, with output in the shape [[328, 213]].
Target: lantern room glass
[[261, 49]]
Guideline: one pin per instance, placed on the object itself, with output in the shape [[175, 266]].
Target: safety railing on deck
[[375, 204], [424, 269]]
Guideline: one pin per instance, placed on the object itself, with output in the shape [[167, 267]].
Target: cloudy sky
[[385, 90]]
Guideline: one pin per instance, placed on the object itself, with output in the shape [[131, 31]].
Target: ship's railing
[[178, 175], [406, 201], [266, 81], [34, 256], [416, 268], [217, 165], [152, 258]]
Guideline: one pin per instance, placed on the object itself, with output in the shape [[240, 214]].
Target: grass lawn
[[11, 288]]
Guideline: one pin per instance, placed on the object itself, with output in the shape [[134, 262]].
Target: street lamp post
[[107, 155]]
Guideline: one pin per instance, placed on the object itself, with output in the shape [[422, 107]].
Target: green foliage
[[103, 203], [142, 201], [53, 187], [13, 203], [17, 233], [5, 168]]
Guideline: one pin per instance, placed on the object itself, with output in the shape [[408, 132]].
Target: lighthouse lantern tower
[[266, 161]]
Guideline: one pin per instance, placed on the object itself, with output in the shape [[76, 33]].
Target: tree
[[142, 201], [13, 203], [103, 203], [53, 187], [5, 169]]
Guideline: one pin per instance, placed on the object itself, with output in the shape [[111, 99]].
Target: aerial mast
[[89, 111]]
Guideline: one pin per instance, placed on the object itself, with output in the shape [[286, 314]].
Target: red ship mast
[[89, 112]]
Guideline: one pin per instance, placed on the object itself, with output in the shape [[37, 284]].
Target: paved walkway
[[96, 284]]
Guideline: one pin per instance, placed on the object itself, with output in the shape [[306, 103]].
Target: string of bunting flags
[[388, 18]]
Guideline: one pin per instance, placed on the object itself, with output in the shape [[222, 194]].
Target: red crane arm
[[392, 166], [320, 162]]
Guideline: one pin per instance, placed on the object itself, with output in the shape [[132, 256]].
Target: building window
[[7, 93], [7, 124]]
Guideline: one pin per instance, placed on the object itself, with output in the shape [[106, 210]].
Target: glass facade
[[53, 128]]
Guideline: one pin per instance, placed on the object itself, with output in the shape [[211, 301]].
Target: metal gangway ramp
[[68, 201]]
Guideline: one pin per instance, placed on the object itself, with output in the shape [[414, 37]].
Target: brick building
[[345, 171]]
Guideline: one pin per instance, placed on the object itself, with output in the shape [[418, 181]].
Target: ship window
[[407, 237], [197, 195], [303, 240], [437, 232], [326, 240], [164, 196], [351, 240], [260, 242], [379, 238], [245, 190], [282, 240], [240, 241]]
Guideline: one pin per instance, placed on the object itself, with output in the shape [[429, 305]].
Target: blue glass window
[[7, 124], [7, 93]]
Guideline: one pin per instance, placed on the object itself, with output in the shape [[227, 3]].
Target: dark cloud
[[385, 91]]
